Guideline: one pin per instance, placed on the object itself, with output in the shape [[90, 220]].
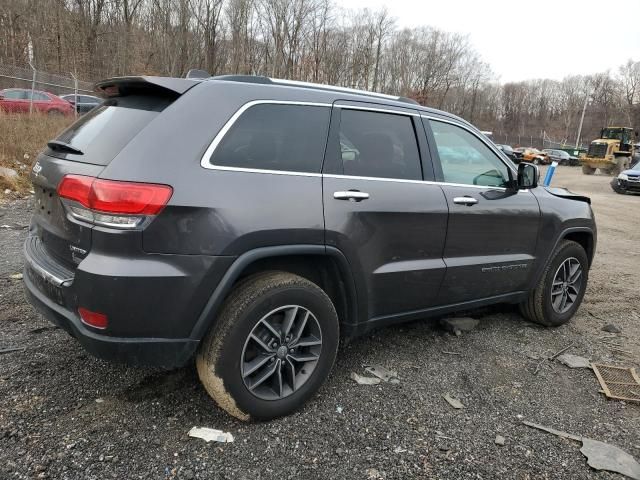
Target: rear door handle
[[465, 201], [353, 195]]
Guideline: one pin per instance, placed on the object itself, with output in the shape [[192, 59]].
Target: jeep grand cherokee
[[251, 222]]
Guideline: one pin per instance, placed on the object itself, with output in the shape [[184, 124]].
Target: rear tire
[[251, 330], [545, 302], [587, 170]]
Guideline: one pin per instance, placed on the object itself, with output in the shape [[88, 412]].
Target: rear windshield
[[103, 132]]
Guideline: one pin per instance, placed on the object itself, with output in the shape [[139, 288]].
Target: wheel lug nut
[[291, 350], [274, 345]]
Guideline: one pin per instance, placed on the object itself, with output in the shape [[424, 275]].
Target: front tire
[[560, 290], [271, 348]]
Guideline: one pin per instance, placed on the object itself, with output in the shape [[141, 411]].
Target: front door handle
[[353, 195], [465, 201]]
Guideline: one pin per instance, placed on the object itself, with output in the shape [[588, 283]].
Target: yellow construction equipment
[[611, 153]]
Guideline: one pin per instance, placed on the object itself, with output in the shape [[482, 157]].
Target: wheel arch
[[584, 236], [325, 266]]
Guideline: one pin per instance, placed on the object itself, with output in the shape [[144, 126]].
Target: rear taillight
[[113, 203], [93, 319]]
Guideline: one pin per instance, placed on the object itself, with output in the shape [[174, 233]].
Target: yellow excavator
[[611, 153]]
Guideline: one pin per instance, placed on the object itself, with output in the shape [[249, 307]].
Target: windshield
[[615, 134]]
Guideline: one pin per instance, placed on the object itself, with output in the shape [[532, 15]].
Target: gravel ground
[[67, 415]]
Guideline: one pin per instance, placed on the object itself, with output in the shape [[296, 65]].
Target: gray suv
[[251, 223]]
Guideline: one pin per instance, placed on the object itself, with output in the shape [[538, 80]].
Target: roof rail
[[318, 86], [243, 78]]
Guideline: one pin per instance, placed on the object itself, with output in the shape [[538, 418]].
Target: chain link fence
[[536, 141], [30, 78]]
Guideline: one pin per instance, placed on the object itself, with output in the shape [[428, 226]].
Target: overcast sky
[[532, 39]]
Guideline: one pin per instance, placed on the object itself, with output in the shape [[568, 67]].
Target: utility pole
[[584, 109]]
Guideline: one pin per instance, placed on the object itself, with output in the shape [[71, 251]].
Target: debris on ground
[[457, 325], [553, 431], [44, 329], [611, 328], [6, 172], [451, 353], [600, 455], [500, 440], [619, 383], [603, 456], [454, 402], [339, 409], [574, 361], [360, 380], [16, 276], [383, 373], [11, 349], [373, 474], [552, 357], [210, 435], [14, 227]]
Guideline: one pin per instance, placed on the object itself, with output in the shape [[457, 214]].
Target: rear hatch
[[86, 148]]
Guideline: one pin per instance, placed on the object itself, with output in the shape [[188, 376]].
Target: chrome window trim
[[355, 177], [262, 170], [493, 148], [402, 180], [204, 161]]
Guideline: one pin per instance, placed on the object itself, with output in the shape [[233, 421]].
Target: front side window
[[383, 145], [465, 159], [276, 137]]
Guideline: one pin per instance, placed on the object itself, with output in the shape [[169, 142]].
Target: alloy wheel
[[281, 352], [566, 286]]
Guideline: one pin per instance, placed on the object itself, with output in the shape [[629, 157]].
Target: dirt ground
[[67, 415]]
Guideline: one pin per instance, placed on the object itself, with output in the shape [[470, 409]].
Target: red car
[[17, 100]]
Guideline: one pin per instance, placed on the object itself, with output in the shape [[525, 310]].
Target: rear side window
[[276, 137], [103, 132], [380, 145], [42, 97]]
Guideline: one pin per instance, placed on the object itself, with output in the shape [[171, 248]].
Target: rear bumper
[[152, 301], [168, 353]]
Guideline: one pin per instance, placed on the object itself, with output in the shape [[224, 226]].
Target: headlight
[[623, 176]]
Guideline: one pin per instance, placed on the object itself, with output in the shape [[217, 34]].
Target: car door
[[387, 221], [16, 101], [493, 228], [41, 102]]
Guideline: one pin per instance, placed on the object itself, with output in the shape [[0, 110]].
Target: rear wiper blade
[[63, 147]]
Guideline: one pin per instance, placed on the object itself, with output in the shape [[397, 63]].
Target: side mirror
[[528, 175]]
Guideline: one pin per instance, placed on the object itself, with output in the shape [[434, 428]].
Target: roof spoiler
[[121, 86]]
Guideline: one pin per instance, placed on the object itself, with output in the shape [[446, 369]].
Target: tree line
[[309, 40]]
